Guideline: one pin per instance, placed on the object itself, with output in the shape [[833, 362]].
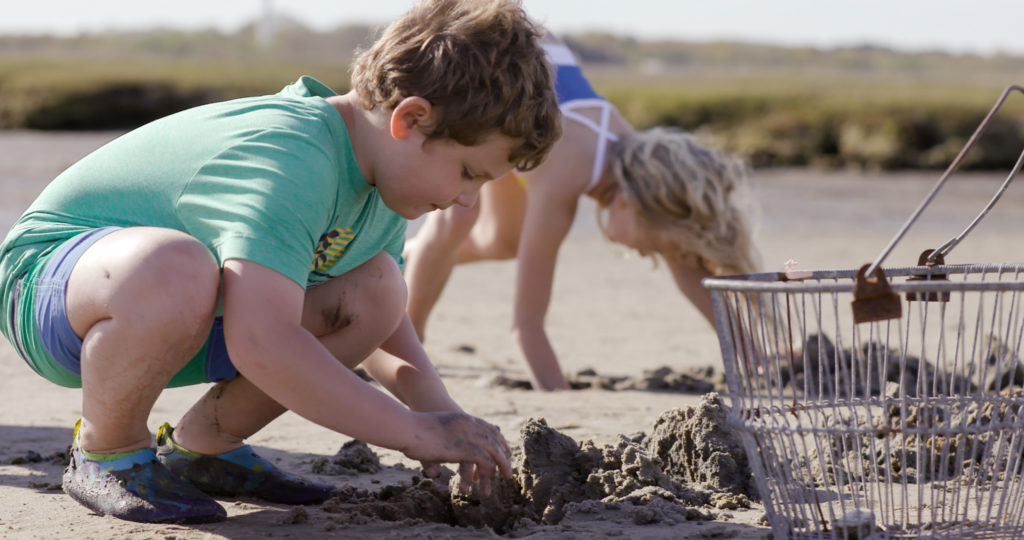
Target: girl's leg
[[495, 237], [351, 314], [142, 300], [431, 255], [487, 231]]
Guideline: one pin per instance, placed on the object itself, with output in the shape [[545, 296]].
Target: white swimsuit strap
[[569, 110], [603, 134]]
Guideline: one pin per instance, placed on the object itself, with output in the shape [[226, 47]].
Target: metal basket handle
[[944, 249]]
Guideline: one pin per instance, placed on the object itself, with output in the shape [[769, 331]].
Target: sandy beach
[[618, 315]]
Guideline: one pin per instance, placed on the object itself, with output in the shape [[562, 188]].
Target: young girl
[[661, 193]]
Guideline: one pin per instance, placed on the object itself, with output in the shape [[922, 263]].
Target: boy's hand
[[456, 437]]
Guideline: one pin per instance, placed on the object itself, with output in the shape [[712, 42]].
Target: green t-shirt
[[270, 179]]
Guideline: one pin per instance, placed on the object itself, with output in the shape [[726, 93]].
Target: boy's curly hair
[[697, 197], [478, 63]]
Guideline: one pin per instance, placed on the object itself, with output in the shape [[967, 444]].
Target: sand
[[629, 458]]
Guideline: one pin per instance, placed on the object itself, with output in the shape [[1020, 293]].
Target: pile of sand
[[689, 466], [354, 457]]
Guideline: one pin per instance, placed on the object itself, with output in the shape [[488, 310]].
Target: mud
[[662, 478], [916, 443], [697, 380], [295, 516], [813, 372], [420, 500], [934, 424], [353, 458], [697, 446], [555, 476], [31, 456]]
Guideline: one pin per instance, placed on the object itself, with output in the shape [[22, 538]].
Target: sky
[[958, 26]]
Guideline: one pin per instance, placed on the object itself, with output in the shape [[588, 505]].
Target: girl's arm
[[688, 278], [552, 193], [546, 225]]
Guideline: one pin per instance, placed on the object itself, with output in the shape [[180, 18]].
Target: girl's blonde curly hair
[[694, 197]]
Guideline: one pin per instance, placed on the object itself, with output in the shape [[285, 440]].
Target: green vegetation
[[835, 122], [859, 106], [52, 93]]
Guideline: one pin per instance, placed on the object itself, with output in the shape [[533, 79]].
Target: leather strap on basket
[[873, 298], [929, 261]]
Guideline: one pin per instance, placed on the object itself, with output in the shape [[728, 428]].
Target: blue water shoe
[[134, 486], [238, 473]]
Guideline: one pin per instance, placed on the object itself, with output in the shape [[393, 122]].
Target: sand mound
[[354, 457], [555, 476], [424, 500], [689, 464], [696, 445]]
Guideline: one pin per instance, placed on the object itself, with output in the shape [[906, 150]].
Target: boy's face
[[418, 178]]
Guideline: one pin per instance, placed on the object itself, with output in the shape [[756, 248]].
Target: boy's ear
[[412, 113]]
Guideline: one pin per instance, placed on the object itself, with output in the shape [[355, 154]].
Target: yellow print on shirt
[[330, 248]]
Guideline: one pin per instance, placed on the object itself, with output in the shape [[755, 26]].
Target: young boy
[[256, 243]]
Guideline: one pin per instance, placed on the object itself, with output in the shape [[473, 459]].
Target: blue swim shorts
[[43, 336]]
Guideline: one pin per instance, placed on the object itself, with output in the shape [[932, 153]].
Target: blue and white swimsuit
[[574, 92]]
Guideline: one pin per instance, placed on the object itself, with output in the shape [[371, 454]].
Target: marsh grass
[[75, 93], [861, 107], [828, 119]]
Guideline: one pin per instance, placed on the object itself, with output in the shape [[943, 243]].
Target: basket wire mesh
[[907, 422]]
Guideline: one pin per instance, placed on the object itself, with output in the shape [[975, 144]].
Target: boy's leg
[[489, 230], [143, 301], [352, 315]]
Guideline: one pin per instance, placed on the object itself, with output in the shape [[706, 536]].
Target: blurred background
[[877, 85]]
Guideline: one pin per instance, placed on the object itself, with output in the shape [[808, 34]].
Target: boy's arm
[[267, 343], [688, 278], [402, 366]]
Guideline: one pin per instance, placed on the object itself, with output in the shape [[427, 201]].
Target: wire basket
[[882, 403]]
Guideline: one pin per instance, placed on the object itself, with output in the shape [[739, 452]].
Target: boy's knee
[[372, 297], [181, 272], [150, 277], [385, 286]]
